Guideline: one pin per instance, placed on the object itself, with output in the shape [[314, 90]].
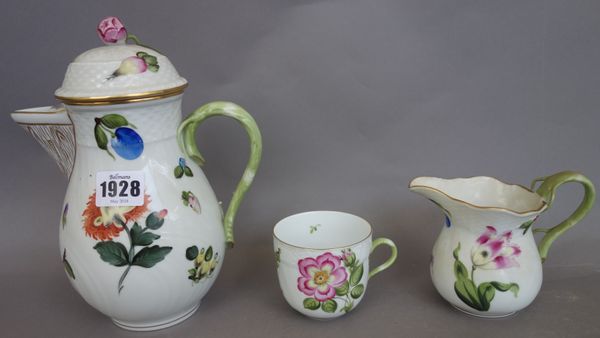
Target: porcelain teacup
[[323, 261]]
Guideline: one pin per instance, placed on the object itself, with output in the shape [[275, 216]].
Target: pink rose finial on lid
[[111, 30]]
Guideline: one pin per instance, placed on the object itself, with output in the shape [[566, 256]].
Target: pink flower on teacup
[[495, 251], [320, 276], [111, 30]]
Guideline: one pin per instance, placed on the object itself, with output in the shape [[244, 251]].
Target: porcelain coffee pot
[[142, 234], [485, 261]]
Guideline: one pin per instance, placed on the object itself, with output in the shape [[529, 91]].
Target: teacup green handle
[[390, 261], [547, 191], [187, 143]]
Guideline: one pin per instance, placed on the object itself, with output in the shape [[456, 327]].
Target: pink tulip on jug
[[485, 261]]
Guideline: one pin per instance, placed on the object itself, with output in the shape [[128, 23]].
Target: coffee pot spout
[[51, 127]]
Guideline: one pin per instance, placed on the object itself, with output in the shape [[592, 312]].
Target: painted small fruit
[[127, 143], [131, 65], [137, 64]]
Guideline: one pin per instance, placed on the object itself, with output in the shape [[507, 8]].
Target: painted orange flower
[[98, 222]]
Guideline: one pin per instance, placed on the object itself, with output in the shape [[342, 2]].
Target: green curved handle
[[547, 191], [187, 143], [390, 261]]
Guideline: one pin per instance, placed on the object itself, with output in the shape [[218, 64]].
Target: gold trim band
[[476, 206], [130, 98]]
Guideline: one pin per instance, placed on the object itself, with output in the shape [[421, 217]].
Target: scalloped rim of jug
[[541, 208]]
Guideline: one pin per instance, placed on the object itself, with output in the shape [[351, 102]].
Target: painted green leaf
[[136, 229], [153, 68], [113, 121], [209, 254], [466, 291], [113, 253], [150, 59], [460, 271], [154, 222], [67, 265], [311, 303], [102, 140], [145, 239], [486, 294], [503, 287], [356, 275], [64, 215], [525, 226], [357, 291], [149, 256], [342, 290], [188, 172], [191, 253], [278, 257], [348, 307], [141, 54], [178, 172], [68, 269], [464, 287], [329, 306]]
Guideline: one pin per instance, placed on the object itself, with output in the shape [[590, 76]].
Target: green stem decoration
[[120, 287], [107, 130], [138, 42], [477, 296], [131, 252]]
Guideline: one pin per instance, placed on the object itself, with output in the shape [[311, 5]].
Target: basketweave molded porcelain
[[485, 261], [142, 234], [86, 75]]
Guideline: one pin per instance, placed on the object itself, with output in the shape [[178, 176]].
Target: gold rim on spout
[[542, 207]]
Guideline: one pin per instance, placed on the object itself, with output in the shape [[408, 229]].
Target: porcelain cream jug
[[485, 261], [142, 234]]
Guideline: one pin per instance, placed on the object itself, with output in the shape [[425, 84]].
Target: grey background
[[354, 98]]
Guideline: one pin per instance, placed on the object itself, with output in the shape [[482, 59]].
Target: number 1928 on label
[[119, 188]]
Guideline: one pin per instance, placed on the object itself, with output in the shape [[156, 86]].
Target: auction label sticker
[[119, 188]]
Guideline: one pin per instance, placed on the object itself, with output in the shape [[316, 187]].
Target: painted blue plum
[[127, 143]]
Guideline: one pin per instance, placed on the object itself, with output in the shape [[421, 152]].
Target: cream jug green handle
[[547, 191], [485, 261], [187, 143]]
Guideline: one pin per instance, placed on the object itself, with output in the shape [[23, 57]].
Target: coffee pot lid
[[118, 72]]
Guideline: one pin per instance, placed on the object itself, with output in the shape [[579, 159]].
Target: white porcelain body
[[162, 295], [477, 207], [310, 235], [528, 275]]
